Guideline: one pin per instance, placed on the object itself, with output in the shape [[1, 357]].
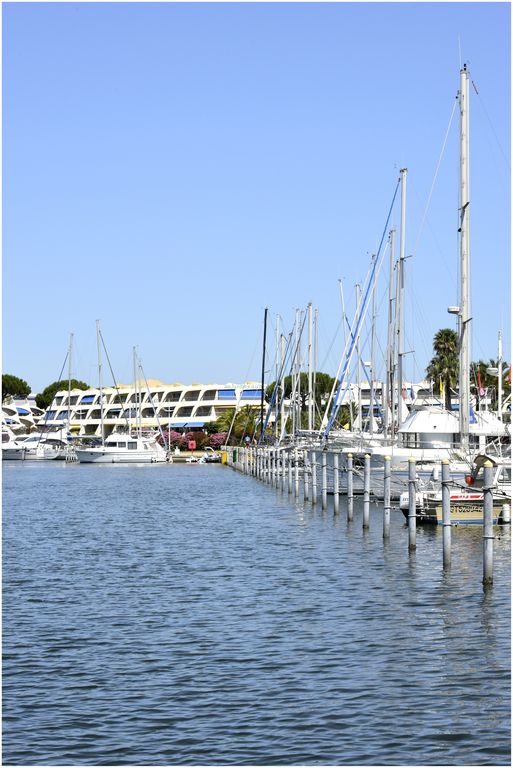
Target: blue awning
[[188, 424], [226, 393], [249, 394], [23, 411], [87, 399]]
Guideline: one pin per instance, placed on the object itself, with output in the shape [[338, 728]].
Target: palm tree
[[489, 381], [444, 366], [244, 424]]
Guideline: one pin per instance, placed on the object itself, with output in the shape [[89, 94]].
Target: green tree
[[44, 399], [244, 424], [444, 365], [12, 385], [323, 386]]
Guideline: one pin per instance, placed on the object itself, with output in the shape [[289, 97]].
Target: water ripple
[[189, 615]]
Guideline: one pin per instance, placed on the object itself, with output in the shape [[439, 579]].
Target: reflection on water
[[191, 615]]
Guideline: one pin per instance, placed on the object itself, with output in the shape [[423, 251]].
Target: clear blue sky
[[173, 168]]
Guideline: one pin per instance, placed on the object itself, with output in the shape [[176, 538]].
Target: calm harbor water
[[187, 614]]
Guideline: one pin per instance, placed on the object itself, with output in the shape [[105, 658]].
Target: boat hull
[[13, 454], [463, 512], [118, 457]]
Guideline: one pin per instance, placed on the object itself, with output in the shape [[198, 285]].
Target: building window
[[251, 394], [225, 394]]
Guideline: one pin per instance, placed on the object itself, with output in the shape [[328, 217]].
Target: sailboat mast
[[277, 382], [388, 399], [464, 313], [69, 379], [499, 380], [373, 355], [263, 379], [310, 367], [358, 369], [400, 325], [100, 383]]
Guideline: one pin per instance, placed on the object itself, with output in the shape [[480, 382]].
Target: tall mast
[[464, 313], [277, 382], [263, 379], [400, 324], [388, 399], [69, 380], [310, 367], [300, 315], [100, 383], [499, 379], [282, 386], [373, 354], [316, 347], [358, 364]]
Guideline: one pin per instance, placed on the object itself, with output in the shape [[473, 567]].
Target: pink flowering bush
[[217, 440]]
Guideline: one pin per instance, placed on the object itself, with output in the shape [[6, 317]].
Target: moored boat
[[12, 449], [467, 501], [121, 448]]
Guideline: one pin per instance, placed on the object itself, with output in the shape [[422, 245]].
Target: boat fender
[[469, 480]]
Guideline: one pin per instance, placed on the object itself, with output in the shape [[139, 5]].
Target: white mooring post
[[366, 491], [386, 500], [350, 494], [412, 511], [306, 479], [296, 473], [314, 477], [446, 513], [289, 471], [324, 481], [336, 485], [488, 524]]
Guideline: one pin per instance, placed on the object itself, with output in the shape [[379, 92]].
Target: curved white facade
[[147, 405]]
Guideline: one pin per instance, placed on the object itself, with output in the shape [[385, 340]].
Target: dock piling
[[336, 479], [324, 481], [366, 491], [306, 479], [314, 477], [412, 511], [446, 513], [488, 537], [350, 495], [386, 499]]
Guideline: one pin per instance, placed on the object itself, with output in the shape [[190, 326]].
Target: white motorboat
[[12, 449], [121, 448]]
